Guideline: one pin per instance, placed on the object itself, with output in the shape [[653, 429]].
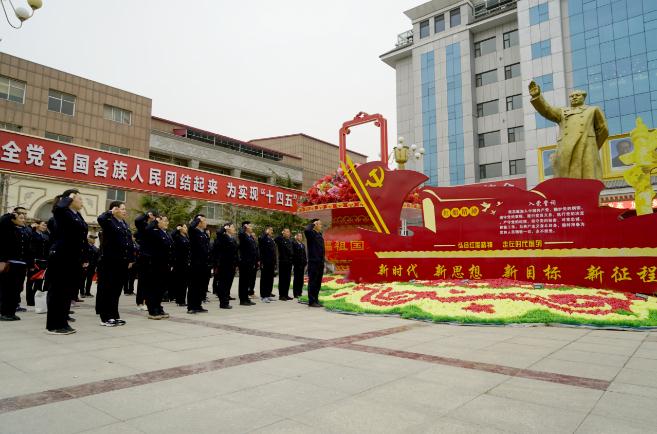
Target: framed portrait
[[545, 156], [613, 148]]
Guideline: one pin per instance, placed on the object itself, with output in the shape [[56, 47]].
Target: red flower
[[479, 308]]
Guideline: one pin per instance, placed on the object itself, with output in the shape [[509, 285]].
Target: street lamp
[[20, 12], [402, 153]]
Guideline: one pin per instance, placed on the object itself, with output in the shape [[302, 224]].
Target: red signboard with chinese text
[[555, 233], [66, 162]]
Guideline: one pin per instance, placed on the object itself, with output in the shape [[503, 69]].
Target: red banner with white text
[[67, 162]]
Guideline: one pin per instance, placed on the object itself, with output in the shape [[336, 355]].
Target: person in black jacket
[[285, 255], [249, 262], [200, 270], [116, 256], [15, 259], [267, 248], [65, 260], [299, 260], [159, 245], [225, 257], [40, 246], [313, 233], [129, 284], [144, 259], [90, 259], [182, 264]]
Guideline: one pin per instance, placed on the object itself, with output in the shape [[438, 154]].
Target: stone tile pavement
[[282, 367]]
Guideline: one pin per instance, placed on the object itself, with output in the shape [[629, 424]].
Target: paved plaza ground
[[283, 367]]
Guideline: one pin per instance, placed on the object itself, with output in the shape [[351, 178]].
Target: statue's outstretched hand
[[534, 89]]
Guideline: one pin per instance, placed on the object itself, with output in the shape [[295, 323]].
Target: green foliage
[[178, 210]]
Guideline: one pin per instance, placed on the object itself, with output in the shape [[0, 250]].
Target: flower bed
[[497, 301]]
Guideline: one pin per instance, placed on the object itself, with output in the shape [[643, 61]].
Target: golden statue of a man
[[582, 132]]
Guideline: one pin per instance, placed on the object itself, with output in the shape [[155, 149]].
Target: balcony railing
[[404, 39]]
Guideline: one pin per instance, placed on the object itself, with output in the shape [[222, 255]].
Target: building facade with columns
[[463, 70]]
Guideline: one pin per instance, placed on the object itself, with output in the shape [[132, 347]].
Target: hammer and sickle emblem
[[376, 178]]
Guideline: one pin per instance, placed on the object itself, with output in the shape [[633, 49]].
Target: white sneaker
[[142, 307], [265, 300], [109, 323]]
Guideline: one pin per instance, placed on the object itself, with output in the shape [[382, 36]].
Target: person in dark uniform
[[129, 285], [313, 233], [15, 259], [65, 260], [90, 258], [225, 256], [159, 244], [116, 254], [40, 246], [200, 271], [141, 221], [267, 248], [248, 265], [299, 260], [182, 264], [285, 255]]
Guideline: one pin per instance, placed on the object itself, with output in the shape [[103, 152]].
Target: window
[[538, 14], [484, 78], [517, 167], [439, 23], [487, 108], [491, 138], [424, 29], [11, 127], [113, 195], [545, 82], [60, 137], [484, 47], [510, 39], [513, 102], [541, 122], [541, 49], [214, 169], [511, 71], [168, 159], [12, 90], [516, 134], [253, 177], [492, 170], [61, 102], [118, 115], [117, 149], [211, 211], [454, 17]]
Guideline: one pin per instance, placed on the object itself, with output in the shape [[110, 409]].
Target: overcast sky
[[246, 69]]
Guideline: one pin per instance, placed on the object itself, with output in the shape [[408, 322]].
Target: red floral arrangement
[[336, 188]]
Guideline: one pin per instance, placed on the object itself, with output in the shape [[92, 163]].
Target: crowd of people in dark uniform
[[60, 256]]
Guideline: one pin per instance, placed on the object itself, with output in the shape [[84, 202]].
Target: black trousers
[[158, 281], [110, 285], [297, 284], [129, 285], [181, 279], [142, 284], [11, 285], [315, 274], [225, 276], [284, 276], [62, 280], [87, 279], [247, 280], [266, 280], [198, 287]]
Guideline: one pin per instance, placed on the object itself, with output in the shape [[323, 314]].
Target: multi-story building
[[177, 143], [464, 68], [45, 102], [318, 158]]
